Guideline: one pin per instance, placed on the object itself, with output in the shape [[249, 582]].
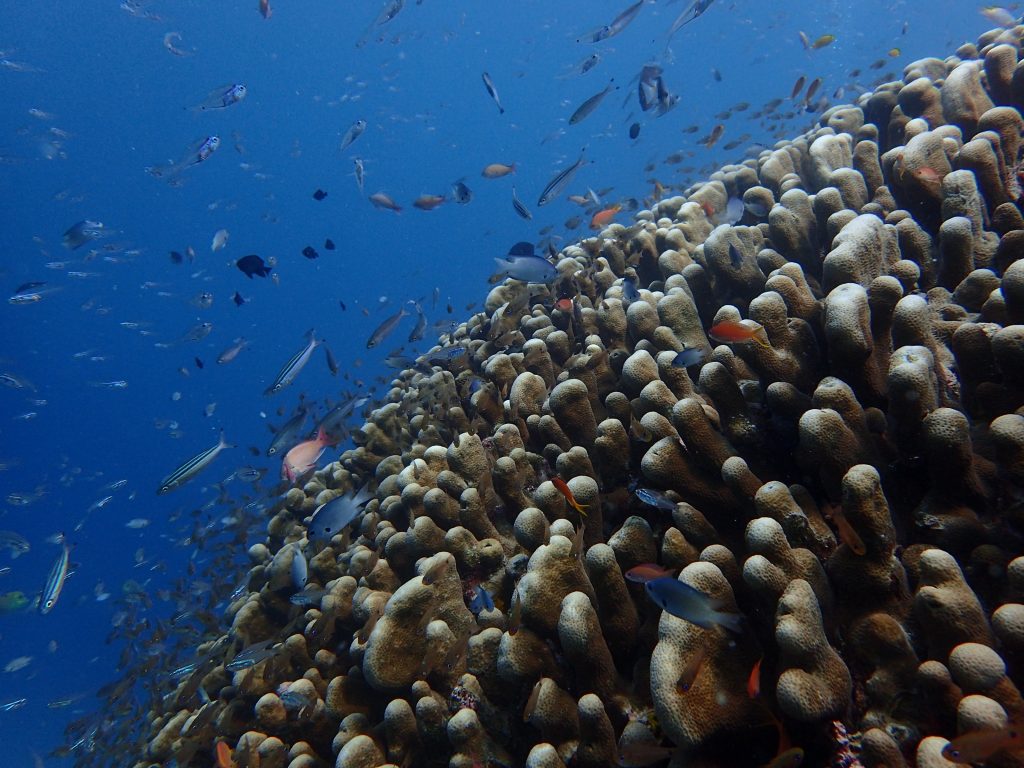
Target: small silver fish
[[192, 467], [353, 133], [493, 92]]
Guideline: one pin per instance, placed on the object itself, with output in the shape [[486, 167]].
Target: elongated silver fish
[[587, 107], [294, 365], [192, 467], [561, 180], [252, 655], [620, 22], [421, 325], [521, 209], [353, 133], [489, 85], [55, 581], [384, 329]]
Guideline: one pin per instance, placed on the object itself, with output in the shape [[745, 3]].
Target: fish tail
[[731, 621]]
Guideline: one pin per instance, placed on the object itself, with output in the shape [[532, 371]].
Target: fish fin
[[224, 443]]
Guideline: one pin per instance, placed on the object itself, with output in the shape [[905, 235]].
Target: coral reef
[[852, 483]]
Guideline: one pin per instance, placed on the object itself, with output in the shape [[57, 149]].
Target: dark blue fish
[[333, 517], [629, 291], [690, 604], [735, 256], [688, 357], [481, 601], [252, 265]]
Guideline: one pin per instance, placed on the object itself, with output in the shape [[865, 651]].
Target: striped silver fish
[[561, 180], [294, 365], [192, 467], [521, 209], [55, 581]]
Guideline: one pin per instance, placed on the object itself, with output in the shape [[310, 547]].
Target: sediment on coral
[[851, 482]]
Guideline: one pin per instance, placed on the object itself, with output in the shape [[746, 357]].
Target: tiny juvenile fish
[[222, 97], [354, 132], [655, 499]]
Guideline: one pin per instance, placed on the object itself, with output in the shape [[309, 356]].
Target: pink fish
[[646, 571], [304, 456]]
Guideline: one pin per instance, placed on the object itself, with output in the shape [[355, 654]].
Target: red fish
[[647, 571], [564, 305], [692, 668], [730, 332], [265, 9], [754, 681], [304, 456], [559, 483], [604, 217], [224, 755]]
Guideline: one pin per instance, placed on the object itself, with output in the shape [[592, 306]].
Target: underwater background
[[95, 94]]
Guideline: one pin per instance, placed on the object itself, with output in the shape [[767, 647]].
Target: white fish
[[220, 239], [136, 523], [19, 663]]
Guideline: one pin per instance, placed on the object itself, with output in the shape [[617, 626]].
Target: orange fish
[[224, 755], [979, 746], [497, 170], [729, 332], [564, 305], [383, 200], [428, 202], [604, 217], [646, 572], [692, 668], [712, 138], [708, 208], [559, 483], [754, 681], [304, 456], [265, 9], [847, 534]]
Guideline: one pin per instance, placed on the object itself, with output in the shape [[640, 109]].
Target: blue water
[[118, 102]]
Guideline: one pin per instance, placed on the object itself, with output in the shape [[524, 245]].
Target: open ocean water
[[108, 390]]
